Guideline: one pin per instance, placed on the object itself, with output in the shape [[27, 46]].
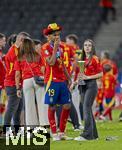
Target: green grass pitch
[[105, 129]]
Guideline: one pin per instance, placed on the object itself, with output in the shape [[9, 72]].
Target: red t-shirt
[[56, 72], [2, 74], [94, 66], [10, 59], [106, 3], [28, 70], [109, 84], [73, 49]]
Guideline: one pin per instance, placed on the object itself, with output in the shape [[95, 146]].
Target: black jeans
[[14, 107], [88, 93]]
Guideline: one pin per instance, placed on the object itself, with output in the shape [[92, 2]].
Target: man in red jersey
[[14, 106], [72, 40], [108, 5], [2, 71], [56, 75], [2, 65]]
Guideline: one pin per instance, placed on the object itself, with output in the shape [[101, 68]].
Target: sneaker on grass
[[64, 137], [56, 137], [80, 138]]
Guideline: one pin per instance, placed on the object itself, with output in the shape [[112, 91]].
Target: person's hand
[[72, 86], [57, 42], [69, 82], [82, 76], [19, 94]]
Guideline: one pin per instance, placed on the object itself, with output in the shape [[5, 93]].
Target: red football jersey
[[74, 47], [106, 3], [10, 59], [2, 74], [109, 83], [94, 66], [68, 56], [56, 72], [74, 69]]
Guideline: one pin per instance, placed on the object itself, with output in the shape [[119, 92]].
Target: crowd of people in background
[[44, 85]]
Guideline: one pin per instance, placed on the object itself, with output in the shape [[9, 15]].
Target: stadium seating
[[76, 16]]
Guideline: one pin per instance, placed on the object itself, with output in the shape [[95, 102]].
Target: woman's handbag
[[38, 80]]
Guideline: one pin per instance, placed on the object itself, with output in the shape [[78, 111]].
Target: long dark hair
[[12, 39], [27, 51], [93, 52]]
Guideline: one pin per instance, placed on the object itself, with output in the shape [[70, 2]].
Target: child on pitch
[[109, 83]]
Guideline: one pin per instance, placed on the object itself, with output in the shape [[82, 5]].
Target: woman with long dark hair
[[29, 65], [88, 91]]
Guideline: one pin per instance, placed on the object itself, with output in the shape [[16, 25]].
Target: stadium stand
[[76, 16]]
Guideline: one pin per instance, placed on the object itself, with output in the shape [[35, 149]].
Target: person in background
[[2, 44], [2, 75], [72, 40], [2, 63], [109, 83], [38, 45], [14, 106], [93, 71], [108, 5], [2, 48], [11, 39], [105, 59]]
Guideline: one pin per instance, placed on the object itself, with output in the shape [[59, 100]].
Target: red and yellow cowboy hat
[[52, 28]]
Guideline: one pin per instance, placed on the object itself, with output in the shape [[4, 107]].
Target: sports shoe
[[64, 137], [120, 119], [102, 117], [76, 129], [81, 127], [80, 138], [56, 137]]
